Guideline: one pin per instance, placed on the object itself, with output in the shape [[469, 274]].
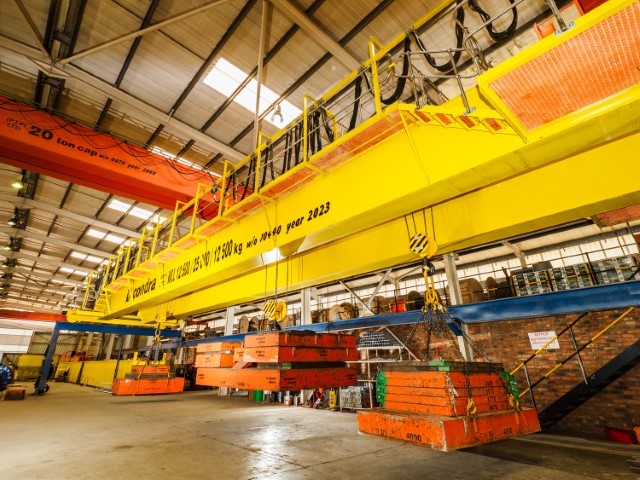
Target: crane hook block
[[275, 310], [423, 246]]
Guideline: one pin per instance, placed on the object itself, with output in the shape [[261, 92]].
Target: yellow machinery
[[546, 137]]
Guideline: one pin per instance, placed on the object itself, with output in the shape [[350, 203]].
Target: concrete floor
[[76, 432]]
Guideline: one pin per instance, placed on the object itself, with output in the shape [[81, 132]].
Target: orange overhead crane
[[51, 145], [31, 316], [525, 149]]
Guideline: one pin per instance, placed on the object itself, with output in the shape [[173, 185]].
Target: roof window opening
[[135, 211], [108, 237], [72, 271], [225, 78], [88, 258]]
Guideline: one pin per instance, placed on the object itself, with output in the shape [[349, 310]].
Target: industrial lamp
[[15, 243], [17, 184], [277, 114]]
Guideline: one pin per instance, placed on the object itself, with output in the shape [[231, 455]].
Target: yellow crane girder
[[481, 177], [575, 188]]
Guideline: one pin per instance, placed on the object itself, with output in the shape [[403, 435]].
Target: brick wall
[[507, 342]]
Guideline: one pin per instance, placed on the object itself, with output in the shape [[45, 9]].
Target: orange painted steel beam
[[217, 346], [443, 392], [127, 386], [238, 355], [442, 379], [32, 316], [214, 360], [35, 140], [151, 369], [277, 380], [459, 400], [448, 433], [299, 354], [300, 339], [457, 408]]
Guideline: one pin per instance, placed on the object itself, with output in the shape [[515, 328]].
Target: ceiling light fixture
[[17, 184], [12, 221], [277, 113], [7, 247]]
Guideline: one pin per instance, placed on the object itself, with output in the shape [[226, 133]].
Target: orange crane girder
[[50, 145]]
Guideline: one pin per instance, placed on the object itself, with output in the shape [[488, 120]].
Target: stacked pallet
[[531, 283], [573, 276], [612, 270], [287, 361], [148, 380], [430, 404]]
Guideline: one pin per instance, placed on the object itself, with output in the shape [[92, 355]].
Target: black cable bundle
[[506, 33]]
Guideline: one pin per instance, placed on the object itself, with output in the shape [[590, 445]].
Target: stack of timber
[[287, 361], [148, 380], [426, 403]]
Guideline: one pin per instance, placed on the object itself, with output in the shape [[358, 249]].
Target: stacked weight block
[[286, 361], [427, 404], [148, 380]]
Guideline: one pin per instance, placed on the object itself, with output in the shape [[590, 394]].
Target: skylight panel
[[134, 212], [92, 232], [114, 238], [225, 78], [109, 237], [140, 213], [72, 271], [119, 206]]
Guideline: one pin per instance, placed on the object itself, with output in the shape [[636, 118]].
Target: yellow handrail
[[560, 364]]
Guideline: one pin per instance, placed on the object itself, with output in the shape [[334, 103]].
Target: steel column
[[455, 298], [46, 364], [305, 303]]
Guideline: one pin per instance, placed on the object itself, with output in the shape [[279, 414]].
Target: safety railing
[[402, 71], [576, 353]]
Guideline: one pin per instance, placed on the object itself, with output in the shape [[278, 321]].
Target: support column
[[450, 270], [228, 330], [229, 320], [122, 341], [46, 364], [99, 346], [455, 298], [126, 343], [109, 348], [88, 342], [305, 310]]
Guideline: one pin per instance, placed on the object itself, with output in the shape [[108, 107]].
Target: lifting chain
[[431, 298], [436, 319]]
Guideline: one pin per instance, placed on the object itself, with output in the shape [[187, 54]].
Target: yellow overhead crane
[[546, 137]]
